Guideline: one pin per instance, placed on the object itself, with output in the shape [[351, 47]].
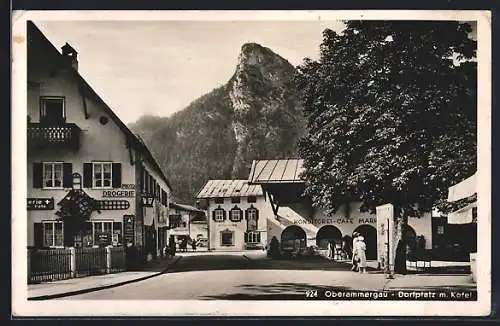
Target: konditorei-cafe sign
[[127, 190]]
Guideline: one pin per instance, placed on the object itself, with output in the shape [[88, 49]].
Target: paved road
[[233, 276]]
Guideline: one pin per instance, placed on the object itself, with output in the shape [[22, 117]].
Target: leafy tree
[[391, 110]]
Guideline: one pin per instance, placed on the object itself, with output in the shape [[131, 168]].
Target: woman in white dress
[[361, 253], [329, 250]]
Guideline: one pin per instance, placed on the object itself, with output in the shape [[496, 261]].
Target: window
[[252, 199], [52, 175], [219, 215], [219, 200], [252, 237], [102, 233], [52, 110], [252, 218], [53, 232], [102, 174], [235, 215], [235, 200], [440, 229], [226, 238]]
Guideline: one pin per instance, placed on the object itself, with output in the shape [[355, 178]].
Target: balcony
[[63, 136]]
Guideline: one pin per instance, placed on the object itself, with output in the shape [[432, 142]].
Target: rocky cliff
[[256, 115]]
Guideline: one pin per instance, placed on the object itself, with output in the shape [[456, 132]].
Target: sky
[[159, 67]]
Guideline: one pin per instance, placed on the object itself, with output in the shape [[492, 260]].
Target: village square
[[356, 208]]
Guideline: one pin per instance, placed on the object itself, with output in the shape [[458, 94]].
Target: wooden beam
[[274, 204], [84, 102]]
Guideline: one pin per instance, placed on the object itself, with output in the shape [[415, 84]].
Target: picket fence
[[58, 264]]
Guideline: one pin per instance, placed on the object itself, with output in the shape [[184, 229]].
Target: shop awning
[[463, 216], [463, 189], [463, 194]]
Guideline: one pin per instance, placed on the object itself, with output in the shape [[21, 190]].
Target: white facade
[[227, 234]]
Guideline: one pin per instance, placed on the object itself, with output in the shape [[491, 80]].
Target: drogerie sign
[[127, 190]]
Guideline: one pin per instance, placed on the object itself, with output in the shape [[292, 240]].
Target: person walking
[[361, 253], [329, 250], [354, 259]]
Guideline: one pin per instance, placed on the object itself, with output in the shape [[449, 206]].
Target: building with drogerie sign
[[237, 215], [297, 222], [91, 181]]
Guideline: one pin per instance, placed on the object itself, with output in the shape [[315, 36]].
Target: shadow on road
[[230, 262], [277, 291]]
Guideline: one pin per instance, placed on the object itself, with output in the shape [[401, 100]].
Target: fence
[[49, 265], [118, 260], [59, 264], [90, 261]]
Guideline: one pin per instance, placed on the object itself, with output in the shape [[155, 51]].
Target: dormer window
[[52, 110]]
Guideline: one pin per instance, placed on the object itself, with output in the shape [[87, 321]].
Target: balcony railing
[[53, 136]]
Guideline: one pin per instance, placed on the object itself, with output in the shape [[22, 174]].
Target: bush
[[274, 249]]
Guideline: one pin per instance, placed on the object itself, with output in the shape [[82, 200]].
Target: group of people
[[358, 253]]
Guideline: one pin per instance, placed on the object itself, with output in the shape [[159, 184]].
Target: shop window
[[102, 233], [227, 238], [52, 110], [251, 199], [235, 200], [53, 234], [252, 237]]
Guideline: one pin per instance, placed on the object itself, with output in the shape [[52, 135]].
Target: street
[[252, 277]]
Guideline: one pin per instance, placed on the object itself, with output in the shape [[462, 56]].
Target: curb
[[104, 287]]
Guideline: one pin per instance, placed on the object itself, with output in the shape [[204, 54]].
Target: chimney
[[71, 55]]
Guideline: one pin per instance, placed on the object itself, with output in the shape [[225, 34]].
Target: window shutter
[[223, 215], [246, 236], [87, 175], [117, 175], [256, 214], [213, 215], [258, 237], [38, 235], [67, 175], [37, 175]]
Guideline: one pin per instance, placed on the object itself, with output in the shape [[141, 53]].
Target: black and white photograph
[[251, 163]]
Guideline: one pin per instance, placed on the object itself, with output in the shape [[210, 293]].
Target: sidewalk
[[73, 286]]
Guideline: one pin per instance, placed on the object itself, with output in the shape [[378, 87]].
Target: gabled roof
[[229, 188], [32, 29], [276, 171]]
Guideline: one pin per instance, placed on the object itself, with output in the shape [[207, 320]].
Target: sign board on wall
[[128, 229], [40, 204], [147, 200], [385, 237], [127, 190]]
